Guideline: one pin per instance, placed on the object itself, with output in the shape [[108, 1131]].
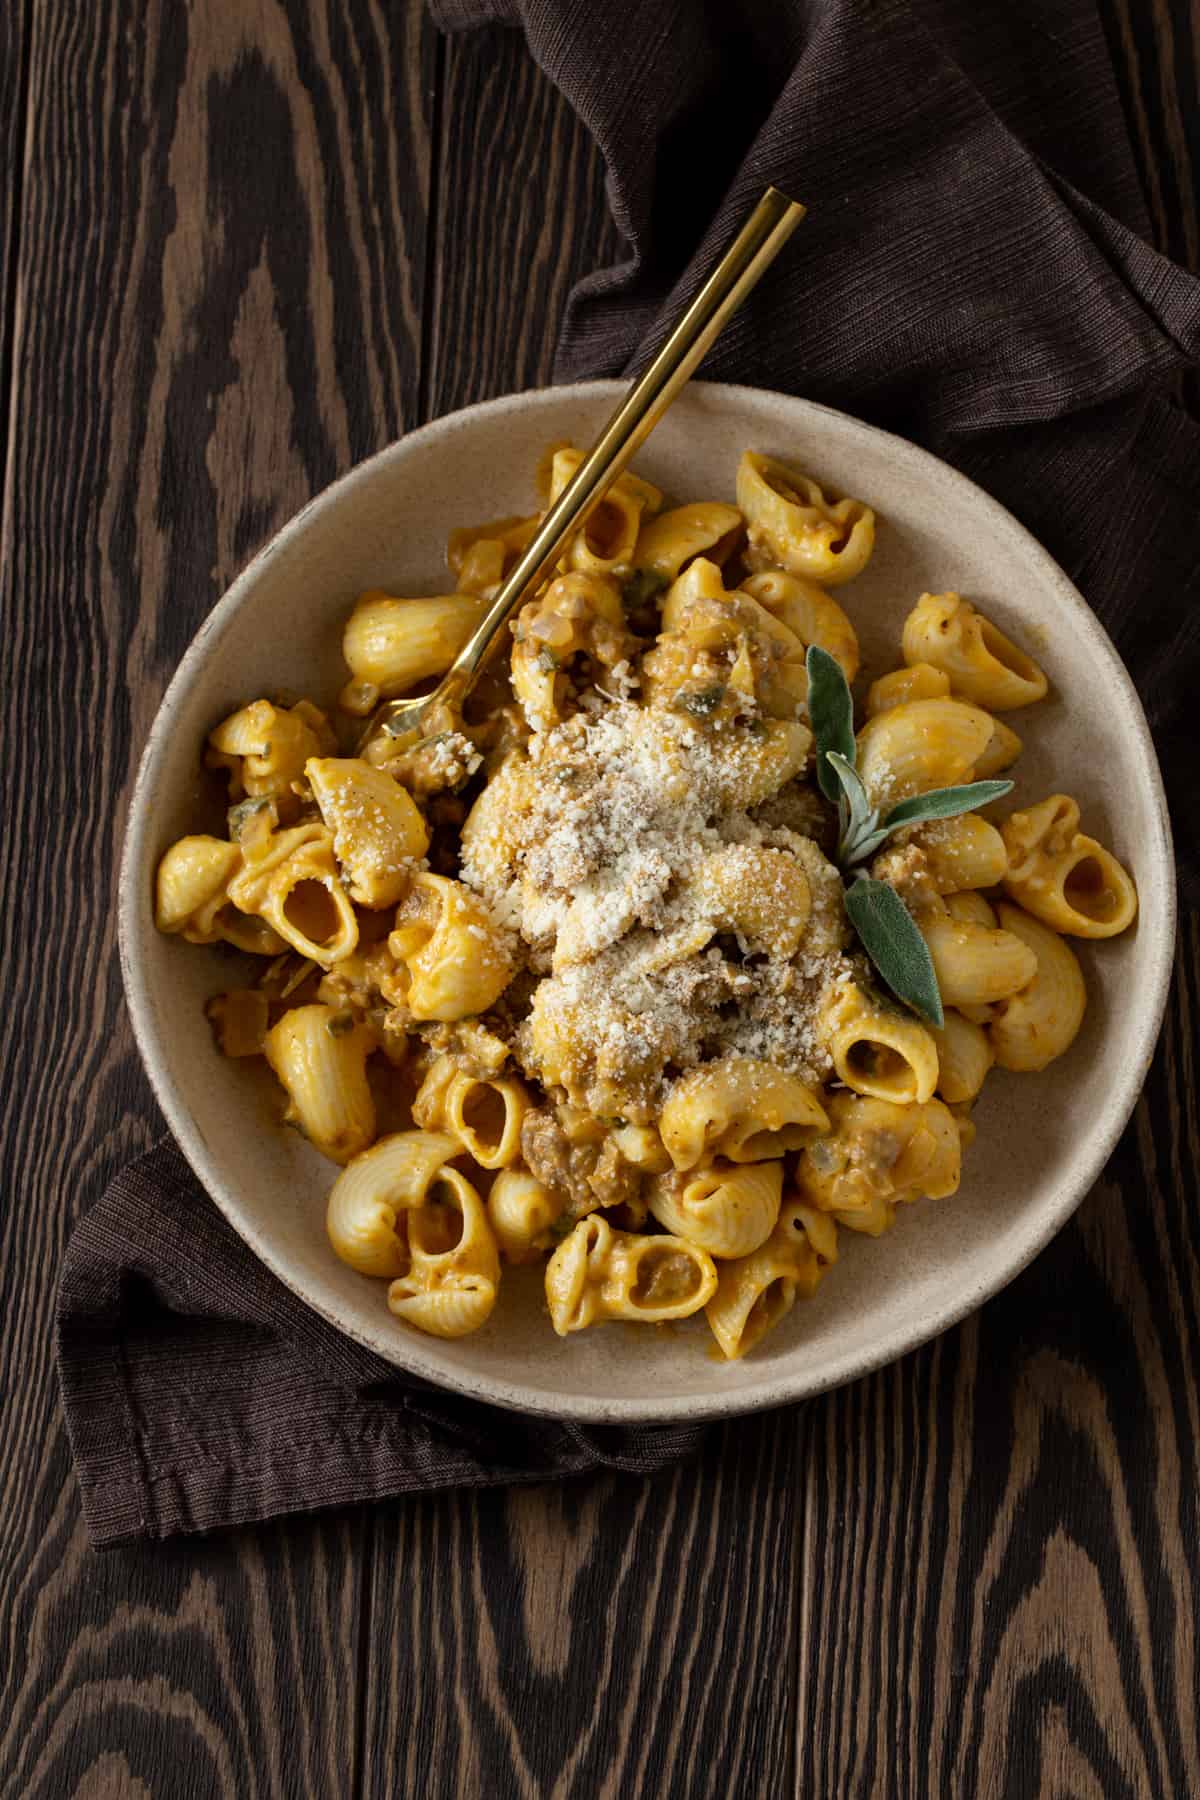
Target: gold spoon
[[751, 253]]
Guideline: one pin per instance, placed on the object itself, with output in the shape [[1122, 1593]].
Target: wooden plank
[[1002, 1592], [1155, 46], [603, 1638], [221, 282], [1001, 1581], [236, 1661], [14, 79], [1156, 52], [520, 215], [617, 1636]]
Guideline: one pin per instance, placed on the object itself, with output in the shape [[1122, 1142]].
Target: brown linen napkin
[[973, 275], [200, 1392], [972, 272]]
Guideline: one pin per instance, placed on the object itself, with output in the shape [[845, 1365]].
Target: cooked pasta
[[1042, 1019], [320, 1057], [391, 645], [666, 544], [725, 1208], [485, 1113], [757, 1291], [293, 883], [1066, 879], [982, 665], [522, 1211], [921, 744], [964, 1055], [878, 1047], [590, 946], [793, 525], [452, 1276], [598, 1273]]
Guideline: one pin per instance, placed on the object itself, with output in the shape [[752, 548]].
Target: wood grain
[[245, 245], [1001, 1580], [519, 205], [1002, 1585], [1156, 53], [219, 293], [555, 1641], [201, 1669], [14, 80], [594, 1640]]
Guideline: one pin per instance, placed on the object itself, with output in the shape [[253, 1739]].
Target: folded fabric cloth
[[972, 274], [200, 1392]]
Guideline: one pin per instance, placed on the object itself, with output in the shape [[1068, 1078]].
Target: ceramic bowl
[[1042, 1140]]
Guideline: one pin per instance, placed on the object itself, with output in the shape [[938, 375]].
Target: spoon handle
[[751, 253]]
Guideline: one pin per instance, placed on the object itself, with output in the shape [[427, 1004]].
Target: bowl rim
[[406, 1350]]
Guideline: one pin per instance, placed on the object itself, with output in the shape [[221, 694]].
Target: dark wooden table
[[245, 245]]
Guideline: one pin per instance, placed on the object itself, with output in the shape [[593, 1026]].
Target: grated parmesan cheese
[[623, 807]]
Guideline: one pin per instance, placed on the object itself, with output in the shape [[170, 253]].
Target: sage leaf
[[239, 816], [831, 710], [946, 803], [891, 939], [863, 847], [861, 810], [859, 830], [642, 586], [701, 703]]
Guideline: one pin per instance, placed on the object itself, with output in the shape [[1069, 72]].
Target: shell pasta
[[572, 984]]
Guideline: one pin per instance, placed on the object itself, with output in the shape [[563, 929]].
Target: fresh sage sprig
[[889, 936], [887, 929], [861, 831], [831, 712]]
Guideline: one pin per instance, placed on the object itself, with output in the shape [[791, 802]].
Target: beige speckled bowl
[[1042, 1139]]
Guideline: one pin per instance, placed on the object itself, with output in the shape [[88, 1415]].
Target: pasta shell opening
[[878, 1069], [485, 1115], [1007, 654], [773, 1304], [1089, 891], [402, 1264], [311, 911], [605, 530], [436, 1227], [665, 1278], [762, 1146]]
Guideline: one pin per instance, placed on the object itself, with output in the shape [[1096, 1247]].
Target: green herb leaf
[[864, 847], [861, 811], [643, 585], [891, 939], [859, 831], [831, 710], [547, 662], [239, 815], [946, 803], [701, 703]]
